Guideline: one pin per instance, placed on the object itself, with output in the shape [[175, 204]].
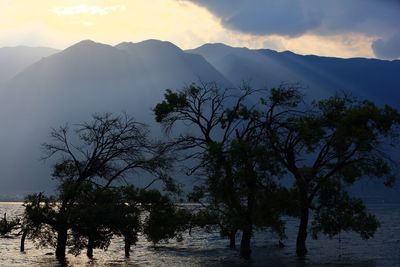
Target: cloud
[[293, 18], [388, 48], [344, 46], [85, 9], [263, 17]]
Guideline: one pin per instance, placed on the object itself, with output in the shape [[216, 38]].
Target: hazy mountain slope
[[261, 70], [378, 80], [71, 85], [165, 60], [14, 59]]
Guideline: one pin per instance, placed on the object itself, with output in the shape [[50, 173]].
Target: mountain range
[[42, 88]]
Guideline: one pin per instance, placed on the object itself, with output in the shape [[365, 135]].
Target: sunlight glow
[[85, 9], [56, 24]]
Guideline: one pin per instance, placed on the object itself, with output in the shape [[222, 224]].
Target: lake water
[[205, 249]]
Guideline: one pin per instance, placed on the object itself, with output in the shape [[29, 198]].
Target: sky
[[341, 28]]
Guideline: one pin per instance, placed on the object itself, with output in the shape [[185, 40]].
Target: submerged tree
[[326, 147], [253, 198], [163, 220], [228, 151], [102, 151], [7, 226], [39, 222], [93, 218], [126, 218], [243, 146]]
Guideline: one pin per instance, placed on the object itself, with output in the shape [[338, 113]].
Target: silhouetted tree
[[39, 221], [102, 151], [228, 151], [164, 220], [214, 215], [327, 146], [93, 218], [126, 219], [7, 226], [253, 187]]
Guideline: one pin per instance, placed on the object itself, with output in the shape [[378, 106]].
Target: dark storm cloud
[[376, 18], [388, 48], [264, 17]]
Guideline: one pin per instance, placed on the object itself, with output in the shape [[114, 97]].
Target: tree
[[163, 220], [103, 152], [126, 211], [228, 151], [93, 218], [326, 147], [127, 217], [252, 200], [7, 226], [39, 220], [214, 215]]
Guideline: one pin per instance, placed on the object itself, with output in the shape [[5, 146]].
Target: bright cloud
[[345, 45], [86, 9]]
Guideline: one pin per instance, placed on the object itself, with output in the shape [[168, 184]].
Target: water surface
[[207, 249]]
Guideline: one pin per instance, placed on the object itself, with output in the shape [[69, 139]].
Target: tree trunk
[[245, 247], [127, 249], [23, 237], [301, 248], [129, 240], [232, 239], [89, 251], [245, 250], [61, 244]]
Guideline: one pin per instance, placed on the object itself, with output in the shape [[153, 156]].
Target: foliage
[[335, 141], [39, 219], [8, 226], [164, 220], [92, 217], [339, 212]]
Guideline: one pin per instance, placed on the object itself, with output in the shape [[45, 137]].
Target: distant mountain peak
[[87, 45], [215, 45], [157, 42], [219, 46], [153, 44], [85, 42], [89, 49]]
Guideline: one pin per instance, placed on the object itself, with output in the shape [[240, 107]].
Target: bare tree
[[103, 151]]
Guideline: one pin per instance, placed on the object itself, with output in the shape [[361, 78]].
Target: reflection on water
[[202, 249]]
